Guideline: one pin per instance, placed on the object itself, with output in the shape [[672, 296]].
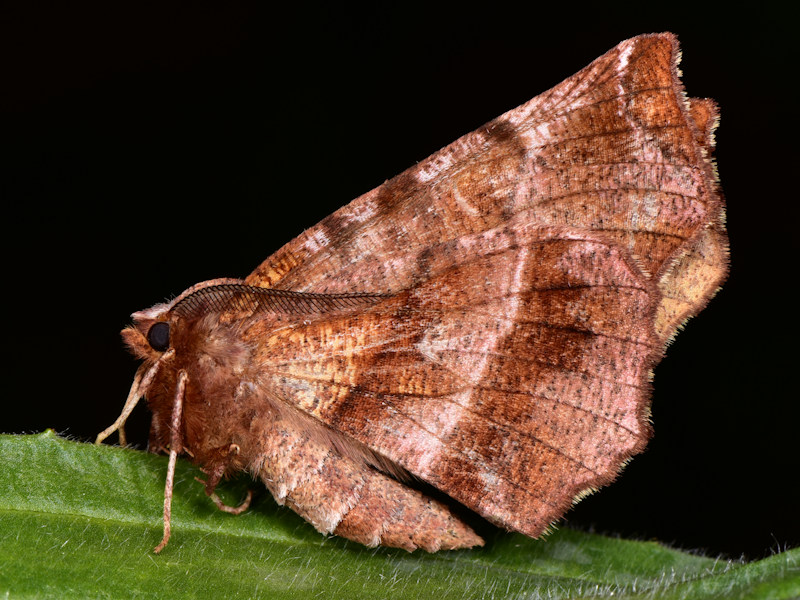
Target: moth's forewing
[[614, 148], [696, 275], [513, 378]]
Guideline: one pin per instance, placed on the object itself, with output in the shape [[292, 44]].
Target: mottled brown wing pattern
[[528, 344], [338, 495], [687, 286], [613, 148]]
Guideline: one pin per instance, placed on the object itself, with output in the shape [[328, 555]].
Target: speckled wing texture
[[702, 267], [514, 378], [616, 148], [537, 267], [341, 496]]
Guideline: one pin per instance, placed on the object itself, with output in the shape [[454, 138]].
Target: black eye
[[158, 336]]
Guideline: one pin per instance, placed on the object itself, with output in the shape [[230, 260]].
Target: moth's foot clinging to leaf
[[231, 510]]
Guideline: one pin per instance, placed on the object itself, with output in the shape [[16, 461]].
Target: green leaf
[[80, 521]]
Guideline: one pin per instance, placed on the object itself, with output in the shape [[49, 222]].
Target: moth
[[486, 322]]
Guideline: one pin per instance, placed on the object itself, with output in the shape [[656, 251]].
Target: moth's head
[[152, 332], [149, 335]]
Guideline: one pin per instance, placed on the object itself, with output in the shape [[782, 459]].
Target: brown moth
[[486, 322]]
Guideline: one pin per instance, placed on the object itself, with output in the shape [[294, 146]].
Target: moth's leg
[[141, 380], [233, 510], [141, 383], [175, 446], [349, 498], [222, 458], [153, 445]]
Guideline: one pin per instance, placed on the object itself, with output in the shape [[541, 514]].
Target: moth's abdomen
[[342, 496]]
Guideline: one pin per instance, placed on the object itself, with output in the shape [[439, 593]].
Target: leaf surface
[[80, 521]]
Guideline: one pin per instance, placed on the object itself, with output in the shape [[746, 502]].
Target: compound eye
[[158, 336]]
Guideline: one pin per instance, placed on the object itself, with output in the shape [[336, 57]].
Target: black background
[[152, 146]]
